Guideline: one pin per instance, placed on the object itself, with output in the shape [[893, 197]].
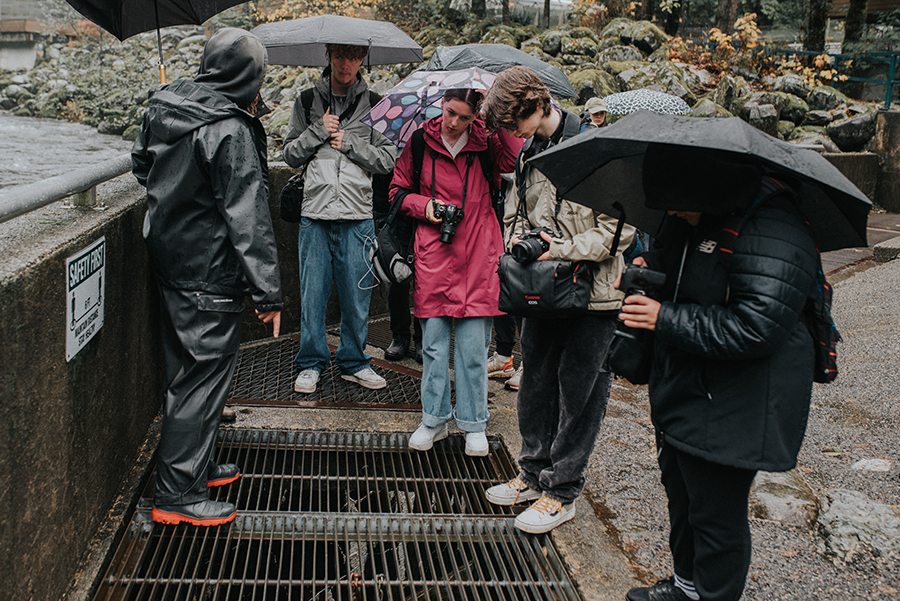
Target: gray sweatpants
[[562, 399]]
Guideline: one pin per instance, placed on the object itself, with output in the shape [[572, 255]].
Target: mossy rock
[[498, 36], [615, 28], [616, 67], [708, 108], [583, 33], [131, 133], [578, 46], [589, 83], [619, 54], [785, 129], [645, 35], [663, 77], [23, 111], [531, 43], [795, 110], [825, 98]]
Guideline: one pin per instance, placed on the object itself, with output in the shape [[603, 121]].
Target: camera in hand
[[531, 245], [450, 216], [631, 352], [641, 280]]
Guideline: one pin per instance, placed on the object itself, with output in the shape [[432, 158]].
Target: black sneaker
[[204, 513], [223, 474], [664, 590], [398, 349]]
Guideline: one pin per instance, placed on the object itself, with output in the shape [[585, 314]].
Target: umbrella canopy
[[417, 98], [496, 58], [125, 18], [603, 169], [625, 103], [301, 42]]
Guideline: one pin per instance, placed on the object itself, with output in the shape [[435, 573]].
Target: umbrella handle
[[162, 65]]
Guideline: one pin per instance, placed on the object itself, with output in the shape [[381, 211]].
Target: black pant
[[505, 333], [562, 400], [201, 337], [710, 536], [398, 308]]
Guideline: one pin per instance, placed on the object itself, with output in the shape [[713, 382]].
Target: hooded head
[[687, 178], [234, 64]]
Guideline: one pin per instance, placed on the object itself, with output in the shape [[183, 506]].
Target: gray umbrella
[[301, 42], [496, 58], [602, 169], [625, 103]]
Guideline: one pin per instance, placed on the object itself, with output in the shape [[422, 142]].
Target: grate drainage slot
[[328, 516]]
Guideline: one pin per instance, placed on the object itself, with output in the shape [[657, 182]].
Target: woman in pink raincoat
[[456, 283]]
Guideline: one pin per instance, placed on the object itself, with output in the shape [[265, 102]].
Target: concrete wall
[[70, 430]]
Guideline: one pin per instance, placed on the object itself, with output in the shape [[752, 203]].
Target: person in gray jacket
[[336, 227], [201, 154]]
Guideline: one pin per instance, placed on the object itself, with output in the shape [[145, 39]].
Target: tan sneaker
[[513, 382], [510, 493], [545, 515], [498, 368]]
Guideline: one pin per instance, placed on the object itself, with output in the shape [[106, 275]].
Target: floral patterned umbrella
[[625, 103], [417, 98]]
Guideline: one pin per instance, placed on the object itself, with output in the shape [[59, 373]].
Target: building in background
[[26, 26]]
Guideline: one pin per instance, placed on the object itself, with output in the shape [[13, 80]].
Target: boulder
[[645, 35], [763, 117], [531, 43], [619, 54], [785, 129], [552, 42], [696, 78], [729, 90], [825, 98], [854, 524], [498, 35], [18, 93], [584, 33], [777, 100], [795, 110], [589, 83], [708, 108], [198, 40], [615, 28], [851, 135], [578, 46], [131, 133], [820, 118], [785, 498], [661, 77], [791, 83]]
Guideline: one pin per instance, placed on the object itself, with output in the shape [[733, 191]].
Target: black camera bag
[[631, 354], [291, 199], [546, 289]]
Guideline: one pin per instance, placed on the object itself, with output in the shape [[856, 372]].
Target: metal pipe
[[23, 199]]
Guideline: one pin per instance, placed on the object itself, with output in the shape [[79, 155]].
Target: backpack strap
[[306, 100]]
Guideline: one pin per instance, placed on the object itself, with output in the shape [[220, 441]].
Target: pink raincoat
[[457, 279]]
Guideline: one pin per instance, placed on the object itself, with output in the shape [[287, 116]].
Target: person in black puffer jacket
[[732, 368]]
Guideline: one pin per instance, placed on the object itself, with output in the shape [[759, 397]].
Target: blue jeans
[[473, 336], [346, 245]]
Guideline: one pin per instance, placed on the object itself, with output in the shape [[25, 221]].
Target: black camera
[[641, 280], [450, 216], [531, 245]]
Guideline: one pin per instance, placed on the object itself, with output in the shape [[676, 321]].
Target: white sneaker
[[513, 382], [498, 368], [367, 378], [510, 493], [424, 437], [306, 381], [544, 515], [476, 444]]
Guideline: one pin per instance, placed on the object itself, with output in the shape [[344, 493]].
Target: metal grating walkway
[[265, 376], [334, 516]]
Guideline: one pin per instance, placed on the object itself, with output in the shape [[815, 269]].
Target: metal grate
[[265, 376], [334, 516]]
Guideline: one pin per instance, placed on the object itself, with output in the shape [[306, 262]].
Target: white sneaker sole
[[304, 389], [427, 446], [524, 496], [544, 528], [364, 383], [472, 452]]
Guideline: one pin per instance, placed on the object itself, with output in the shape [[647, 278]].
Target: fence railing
[[890, 58], [81, 183]]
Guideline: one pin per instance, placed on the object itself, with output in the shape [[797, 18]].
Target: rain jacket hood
[[234, 64]]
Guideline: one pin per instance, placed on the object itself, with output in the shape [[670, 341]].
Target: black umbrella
[[496, 58], [125, 18], [602, 169], [301, 42]]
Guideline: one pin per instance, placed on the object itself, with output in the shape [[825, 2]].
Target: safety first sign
[[85, 283]]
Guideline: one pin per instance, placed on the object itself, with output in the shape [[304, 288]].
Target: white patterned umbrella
[[625, 103]]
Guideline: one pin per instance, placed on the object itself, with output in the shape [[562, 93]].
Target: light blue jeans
[[473, 336], [345, 244]]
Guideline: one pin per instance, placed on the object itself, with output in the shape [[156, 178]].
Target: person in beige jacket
[[565, 388]]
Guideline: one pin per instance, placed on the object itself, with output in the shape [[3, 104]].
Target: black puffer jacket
[[202, 158], [733, 362]]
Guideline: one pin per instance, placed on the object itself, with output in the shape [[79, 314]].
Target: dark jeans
[[200, 334], [505, 331], [562, 399], [710, 536]]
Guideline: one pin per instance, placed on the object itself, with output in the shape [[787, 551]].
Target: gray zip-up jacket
[[338, 183]]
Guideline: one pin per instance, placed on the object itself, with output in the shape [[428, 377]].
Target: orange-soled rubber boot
[[223, 474], [204, 513]]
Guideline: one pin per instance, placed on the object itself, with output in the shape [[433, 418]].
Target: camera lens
[[528, 250]]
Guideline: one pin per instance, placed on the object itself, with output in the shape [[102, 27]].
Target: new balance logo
[[707, 246]]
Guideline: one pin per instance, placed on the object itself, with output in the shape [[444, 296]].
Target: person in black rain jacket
[[201, 154], [733, 360]]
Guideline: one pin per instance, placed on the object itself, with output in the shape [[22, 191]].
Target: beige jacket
[[586, 235]]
